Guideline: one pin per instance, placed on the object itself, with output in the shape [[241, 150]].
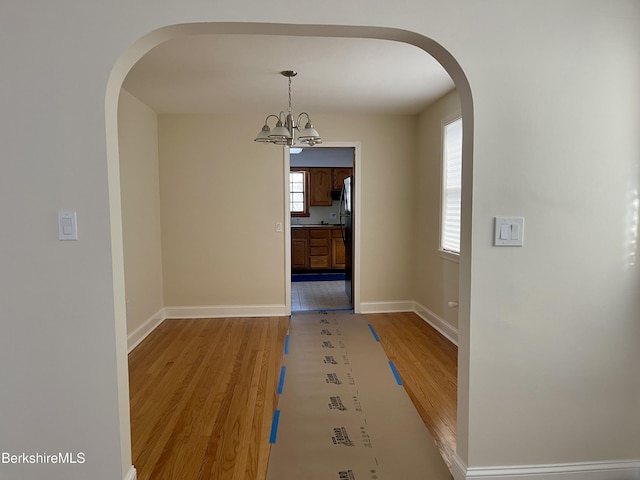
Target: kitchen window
[[299, 193], [451, 188]]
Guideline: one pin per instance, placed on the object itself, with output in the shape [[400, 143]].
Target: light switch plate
[[509, 232], [67, 225]]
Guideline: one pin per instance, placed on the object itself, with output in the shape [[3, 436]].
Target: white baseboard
[[387, 307], [621, 470], [218, 311], [140, 333], [440, 324], [131, 474]]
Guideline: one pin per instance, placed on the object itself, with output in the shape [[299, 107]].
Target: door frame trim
[[357, 147]]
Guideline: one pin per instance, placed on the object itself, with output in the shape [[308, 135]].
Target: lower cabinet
[[337, 249], [299, 248], [317, 248]]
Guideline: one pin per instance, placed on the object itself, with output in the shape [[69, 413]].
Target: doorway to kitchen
[[321, 204]]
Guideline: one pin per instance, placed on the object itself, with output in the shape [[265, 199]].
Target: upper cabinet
[[338, 175], [320, 189], [322, 181]]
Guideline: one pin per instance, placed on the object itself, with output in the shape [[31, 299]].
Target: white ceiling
[[241, 74]]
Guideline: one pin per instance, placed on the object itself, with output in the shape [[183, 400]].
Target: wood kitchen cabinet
[[320, 187], [299, 248], [317, 248], [338, 175], [322, 181], [337, 249]]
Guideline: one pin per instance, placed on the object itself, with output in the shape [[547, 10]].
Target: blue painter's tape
[[283, 371], [286, 345], [395, 373], [274, 426], [375, 335]]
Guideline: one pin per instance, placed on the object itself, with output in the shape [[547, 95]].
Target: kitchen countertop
[[309, 225]]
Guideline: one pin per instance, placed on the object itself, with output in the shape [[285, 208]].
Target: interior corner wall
[[436, 277], [140, 197]]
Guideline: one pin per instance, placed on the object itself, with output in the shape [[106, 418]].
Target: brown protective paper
[[343, 415]]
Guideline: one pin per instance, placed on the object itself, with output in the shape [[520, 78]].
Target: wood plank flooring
[[202, 397], [427, 363], [203, 392]]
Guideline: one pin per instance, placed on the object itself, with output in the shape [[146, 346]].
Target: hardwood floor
[[427, 363], [203, 392], [202, 397]]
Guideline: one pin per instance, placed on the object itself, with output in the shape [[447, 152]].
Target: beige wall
[[221, 195], [436, 277], [388, 151], [548, 340], [140, 193]]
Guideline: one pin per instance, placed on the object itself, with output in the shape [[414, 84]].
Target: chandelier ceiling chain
[[284, 133]]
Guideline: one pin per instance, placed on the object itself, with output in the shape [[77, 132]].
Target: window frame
[[306, 212], [448, 253]]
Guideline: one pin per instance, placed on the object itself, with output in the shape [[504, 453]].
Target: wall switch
[[278, 226], [67, 225], [509, 232]]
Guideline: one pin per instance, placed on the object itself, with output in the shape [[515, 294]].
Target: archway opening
[[144, 45]]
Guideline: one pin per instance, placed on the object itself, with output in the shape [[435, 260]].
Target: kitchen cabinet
[[337, 249], [320, 187], [299, 248], [323, 181], [338, 175], [317, 248]]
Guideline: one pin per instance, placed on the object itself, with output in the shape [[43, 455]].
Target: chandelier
[[287, 130]]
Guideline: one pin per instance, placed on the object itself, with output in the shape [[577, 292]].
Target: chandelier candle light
[[286, 127]]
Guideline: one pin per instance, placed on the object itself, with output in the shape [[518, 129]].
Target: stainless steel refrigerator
[[346, 223]]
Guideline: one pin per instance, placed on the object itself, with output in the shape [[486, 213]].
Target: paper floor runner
[[342, 412]]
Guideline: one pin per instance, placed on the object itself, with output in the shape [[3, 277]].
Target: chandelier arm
[[305, 114], [271, 115]]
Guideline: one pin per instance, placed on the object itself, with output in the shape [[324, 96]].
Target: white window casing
[[451, 187]]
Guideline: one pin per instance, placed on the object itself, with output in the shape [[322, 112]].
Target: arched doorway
[[145, 44]]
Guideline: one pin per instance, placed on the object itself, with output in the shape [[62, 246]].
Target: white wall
[[436, 281], [548, 332], [554, 324], [140, 193]]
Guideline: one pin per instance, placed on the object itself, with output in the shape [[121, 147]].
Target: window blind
[[452, 187]]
